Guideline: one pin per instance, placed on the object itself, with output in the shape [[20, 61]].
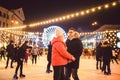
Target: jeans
[[8, 61], [58, 73], [106, 66], [99, 63], [19, 65], [34, 58], [70, 71]]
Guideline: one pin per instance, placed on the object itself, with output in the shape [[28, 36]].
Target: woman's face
[[59, 33]]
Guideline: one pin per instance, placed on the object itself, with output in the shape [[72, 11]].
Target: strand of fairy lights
[[68, 16], [76, 14], [39, 33]]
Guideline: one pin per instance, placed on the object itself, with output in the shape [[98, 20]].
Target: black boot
[[22, 75], [5, 67], [11, 67], [15, 76], [109, 73], [105, 73]]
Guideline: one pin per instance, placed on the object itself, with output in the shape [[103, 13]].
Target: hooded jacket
[[60, 56]]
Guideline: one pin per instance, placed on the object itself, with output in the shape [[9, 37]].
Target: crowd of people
[[19, 53], [104, 55], [63, 56]]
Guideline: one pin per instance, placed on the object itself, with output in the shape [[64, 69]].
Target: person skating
[[20, 58], [49, 58], [10, 54]]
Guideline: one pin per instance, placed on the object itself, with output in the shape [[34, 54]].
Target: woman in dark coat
[[99, 56], [10, 53], [19, 58], [49, 58], [107, 56]]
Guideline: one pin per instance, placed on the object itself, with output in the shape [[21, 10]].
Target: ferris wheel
[[49, 33]]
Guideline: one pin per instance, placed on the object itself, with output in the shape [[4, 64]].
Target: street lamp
[[95, 23]]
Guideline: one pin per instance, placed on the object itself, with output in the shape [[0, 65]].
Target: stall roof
[[108, 27]]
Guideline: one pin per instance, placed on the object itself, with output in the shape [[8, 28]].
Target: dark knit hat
[[106, 42], [11, 41]]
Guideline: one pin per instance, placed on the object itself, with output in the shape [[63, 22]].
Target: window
[[6, 24], [4, 15], [3, 24], [0, 23], [0, 13], [7, 16]]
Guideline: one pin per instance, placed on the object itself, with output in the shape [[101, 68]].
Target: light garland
[[14, 28], [76, 14], [82, 33], [111, 37], [68, 16]]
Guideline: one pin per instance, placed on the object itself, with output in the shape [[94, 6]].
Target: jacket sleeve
[[59, 46], [80, 47]]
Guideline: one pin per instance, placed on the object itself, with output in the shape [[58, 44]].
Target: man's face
[[27, 44], [71, 33], [12, 43]]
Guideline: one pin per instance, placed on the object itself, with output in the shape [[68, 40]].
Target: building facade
[[11, 18]]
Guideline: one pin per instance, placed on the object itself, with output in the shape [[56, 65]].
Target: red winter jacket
[[60, 56]]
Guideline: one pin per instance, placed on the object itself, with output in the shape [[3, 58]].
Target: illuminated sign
[[118, 44], [118, 34]]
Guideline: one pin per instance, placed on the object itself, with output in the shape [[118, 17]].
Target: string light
[[82, 13], [69, 16], [10, 28], [107, 6], [93, 9], [87, 11], [99, 8], [73, 15], [114, 3]]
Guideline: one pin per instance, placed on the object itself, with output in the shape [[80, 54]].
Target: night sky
[[38, 10]]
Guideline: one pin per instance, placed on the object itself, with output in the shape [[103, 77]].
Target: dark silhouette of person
[[107, 56], [99, 56], [49, 58], [10, 53], [75, 47], [114, 56], [2, 52], [20, 58]]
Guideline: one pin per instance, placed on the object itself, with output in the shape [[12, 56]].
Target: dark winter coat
[[98, 52], [10, 50], [74, 47], [49, 52], [16, 53], [21, 52], [106, 53]]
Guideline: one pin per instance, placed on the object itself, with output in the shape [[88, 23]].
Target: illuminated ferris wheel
[[49, 33]]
